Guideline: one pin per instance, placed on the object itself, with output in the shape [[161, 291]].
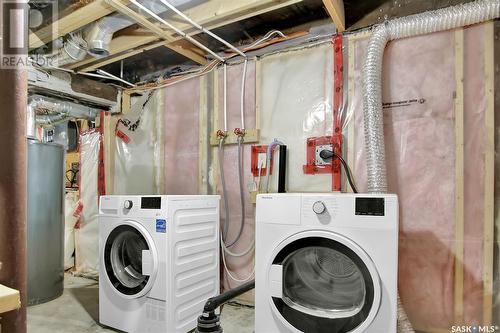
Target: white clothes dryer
[[326, 263]]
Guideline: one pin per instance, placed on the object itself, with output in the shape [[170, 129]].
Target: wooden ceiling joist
[[335, 9], [71, 22], [210, 14], [196, 55]]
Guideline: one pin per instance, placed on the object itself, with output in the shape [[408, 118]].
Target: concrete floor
[[77, 311]]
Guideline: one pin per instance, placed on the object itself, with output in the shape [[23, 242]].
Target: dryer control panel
[[322, 209]]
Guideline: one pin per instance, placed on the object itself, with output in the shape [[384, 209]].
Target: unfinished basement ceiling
[[291, 18], [301, 16]]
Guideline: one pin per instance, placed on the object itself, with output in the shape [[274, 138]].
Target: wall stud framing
[[459, 178]]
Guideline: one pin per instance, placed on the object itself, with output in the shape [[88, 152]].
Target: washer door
[[324, 282], [130, 259]]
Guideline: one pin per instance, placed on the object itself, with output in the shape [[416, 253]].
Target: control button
[[128, 204], [319, 207]]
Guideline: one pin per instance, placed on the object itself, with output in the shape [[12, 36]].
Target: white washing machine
[[159, 261], [326, 263]]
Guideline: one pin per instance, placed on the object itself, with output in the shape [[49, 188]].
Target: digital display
[[151, 202], [370, 206]]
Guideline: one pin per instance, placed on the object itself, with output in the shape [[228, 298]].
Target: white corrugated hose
[[420, 24]]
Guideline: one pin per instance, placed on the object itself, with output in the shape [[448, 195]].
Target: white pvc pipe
[[178, 31], [242, 101], [114, 77], [199, 27], [225, 97], [424, 23]]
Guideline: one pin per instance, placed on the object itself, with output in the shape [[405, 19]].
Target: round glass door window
[[326, 287], [123, 259]]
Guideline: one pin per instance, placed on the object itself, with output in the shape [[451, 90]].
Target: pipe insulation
[[44, 110], [419, 24]]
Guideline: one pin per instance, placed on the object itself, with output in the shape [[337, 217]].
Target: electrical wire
[[210, 66], [266, 37], [327, 154]]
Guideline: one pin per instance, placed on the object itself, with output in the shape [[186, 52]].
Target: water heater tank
[[45, 221]]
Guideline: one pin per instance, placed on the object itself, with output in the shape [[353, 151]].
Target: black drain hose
[[209, 322]]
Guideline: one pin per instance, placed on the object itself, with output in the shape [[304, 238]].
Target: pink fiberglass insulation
[[419, 89], [181, 137], [240, 267]]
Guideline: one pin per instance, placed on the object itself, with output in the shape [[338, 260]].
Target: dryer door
[[324, 282], [130, 259]]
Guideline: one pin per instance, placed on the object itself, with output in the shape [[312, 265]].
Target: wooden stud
[[165, 112], [109, 150], [203, 137], [159, 148], [258, 94], [335, 9], [251, 136], [9, 299], [71, 22], [489, 175], [361, 35], [142, 20], [93, 66], [210, 14], [216, 125], [125, 102], [459, 178]]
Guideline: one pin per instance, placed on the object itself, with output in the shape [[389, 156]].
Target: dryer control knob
[[128, 204], [319, 207]]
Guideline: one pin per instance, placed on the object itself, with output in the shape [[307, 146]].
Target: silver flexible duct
[[420, 24], [428, 22], [74, 48], [99, 35], [44, 110], [51, 119]]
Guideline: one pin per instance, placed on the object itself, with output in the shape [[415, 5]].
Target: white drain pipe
[[419, 24]]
